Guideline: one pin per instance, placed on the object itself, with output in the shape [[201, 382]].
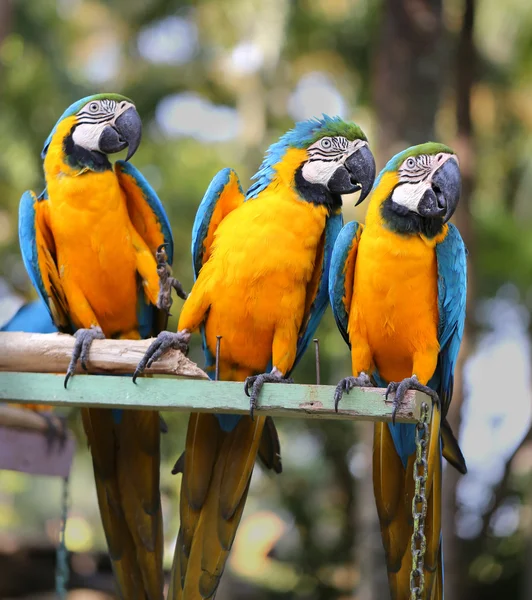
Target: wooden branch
[[51, 352], [306, 401]]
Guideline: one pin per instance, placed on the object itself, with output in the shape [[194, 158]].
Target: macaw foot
[[255, 382], [166, 281], [84, 339], [163, 342], [400, 389], [347, 384], [55, 432]]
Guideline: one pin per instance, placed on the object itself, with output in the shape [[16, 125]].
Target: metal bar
[[317, 354], [171, 393], [217, 365]]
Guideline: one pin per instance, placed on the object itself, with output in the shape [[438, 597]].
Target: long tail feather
[[216, 476], [129, 497], [394, 489]]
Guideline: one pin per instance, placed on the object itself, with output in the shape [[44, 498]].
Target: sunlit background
[[216, 81]]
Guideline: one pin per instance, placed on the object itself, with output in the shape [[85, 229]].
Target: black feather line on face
[[76, 156], [316, 192], [403, 221]]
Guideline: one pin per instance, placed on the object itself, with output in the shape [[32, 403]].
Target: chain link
[[61, 568], [418, 542]]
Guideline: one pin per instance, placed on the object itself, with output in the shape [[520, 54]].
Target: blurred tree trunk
[[407, 89], [408, 73], [456, 565]]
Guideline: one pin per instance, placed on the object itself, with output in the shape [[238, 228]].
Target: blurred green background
[[216, 81]]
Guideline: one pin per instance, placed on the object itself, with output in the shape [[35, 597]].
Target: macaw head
[[322, 159], [94, 127], [419, 189]]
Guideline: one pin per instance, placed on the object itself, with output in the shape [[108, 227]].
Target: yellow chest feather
[[396, 296], [262, 259], [92, 234]]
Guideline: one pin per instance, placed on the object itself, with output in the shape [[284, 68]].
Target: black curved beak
[[441, 200], [127, 131], [362, 171]]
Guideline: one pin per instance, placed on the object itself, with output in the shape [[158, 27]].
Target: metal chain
[[61, 568], [418, 542]]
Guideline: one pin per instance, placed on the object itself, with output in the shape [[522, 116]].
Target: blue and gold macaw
[[261, 263], [89, 243], [398, 290]]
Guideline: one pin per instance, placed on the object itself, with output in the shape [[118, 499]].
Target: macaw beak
[[441, 200], [126, 131], [362, 170], [356, 173]]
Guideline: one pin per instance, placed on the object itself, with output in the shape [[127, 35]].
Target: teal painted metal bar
[[172, 393]]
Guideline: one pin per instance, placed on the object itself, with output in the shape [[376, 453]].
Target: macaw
[[89, 244], [397, 286], [261, 263]]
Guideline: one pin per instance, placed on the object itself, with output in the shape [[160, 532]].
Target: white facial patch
[[415, 178], [88, 135], [326, 155], [93, 118], [409, 194]]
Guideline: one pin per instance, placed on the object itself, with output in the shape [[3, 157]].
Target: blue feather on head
[[74, 109], [303, 135]]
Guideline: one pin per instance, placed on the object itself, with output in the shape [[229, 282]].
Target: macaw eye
[[326, 143], [93, 107], [410, 163]]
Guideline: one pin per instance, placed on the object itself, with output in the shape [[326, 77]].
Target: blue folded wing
[[452, 290], [150, 220], [38, 254], [223, 195], [341, 275], [145, 209], [28, 242]]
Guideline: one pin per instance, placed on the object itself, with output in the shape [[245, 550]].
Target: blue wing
[[28, 242], [145, 209], [452, 291], [151, 222], [223, 195], [38, 253], [320, 301], [33, 317], [341, 275]]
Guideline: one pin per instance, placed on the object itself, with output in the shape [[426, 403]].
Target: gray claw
[[255, 382], [347, 384], [166, 281], [400, 389], [84, 339], [163, 342]]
